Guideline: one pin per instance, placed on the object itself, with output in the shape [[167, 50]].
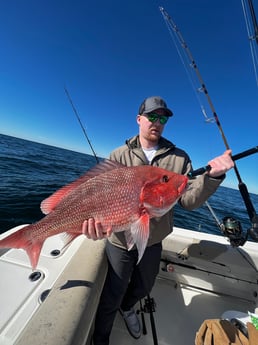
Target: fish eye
[[165, 178]]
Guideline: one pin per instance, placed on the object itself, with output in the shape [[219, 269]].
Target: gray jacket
[[169, 157]]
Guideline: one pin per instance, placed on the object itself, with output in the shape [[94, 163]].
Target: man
[[126, 283]]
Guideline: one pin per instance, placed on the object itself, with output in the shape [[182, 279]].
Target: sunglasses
[[153, 117]]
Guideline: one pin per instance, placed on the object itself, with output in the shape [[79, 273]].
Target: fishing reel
[[232, 229]]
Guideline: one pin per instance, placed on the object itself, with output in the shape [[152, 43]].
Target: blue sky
[[111, 55]]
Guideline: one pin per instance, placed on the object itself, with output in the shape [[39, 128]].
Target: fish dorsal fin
[[52, 201], [140, 233]]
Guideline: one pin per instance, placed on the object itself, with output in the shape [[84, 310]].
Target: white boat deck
[[179, 313], [201, 277], [208, 277]]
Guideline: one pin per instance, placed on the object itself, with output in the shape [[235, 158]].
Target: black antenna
[[82, 127]]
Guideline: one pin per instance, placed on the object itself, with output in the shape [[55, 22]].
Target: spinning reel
[[230, 226], [232, 229]]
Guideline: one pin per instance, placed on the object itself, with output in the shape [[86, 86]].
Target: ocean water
[[30, 172]]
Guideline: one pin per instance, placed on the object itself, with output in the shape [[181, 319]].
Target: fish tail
[[19, 240], [14, 240], [34, 253]]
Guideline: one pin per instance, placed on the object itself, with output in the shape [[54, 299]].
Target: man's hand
[[221, 164], [94, 230]]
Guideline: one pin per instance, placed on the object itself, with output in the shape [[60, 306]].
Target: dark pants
[[126, 283]]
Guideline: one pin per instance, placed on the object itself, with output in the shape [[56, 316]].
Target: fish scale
[[124, 198]]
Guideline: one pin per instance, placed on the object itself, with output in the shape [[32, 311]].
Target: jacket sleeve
[[199, 190]]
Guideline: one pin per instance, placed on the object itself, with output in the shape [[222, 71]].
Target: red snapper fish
[[118, 196]]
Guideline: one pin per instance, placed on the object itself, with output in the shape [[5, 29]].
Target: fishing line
[[252, 36], [173, 30], [82, 127], [182, 53]]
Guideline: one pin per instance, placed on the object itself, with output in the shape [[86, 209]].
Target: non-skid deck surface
[[179, 314]]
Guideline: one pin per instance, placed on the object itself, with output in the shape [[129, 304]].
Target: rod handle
[[240, 155]]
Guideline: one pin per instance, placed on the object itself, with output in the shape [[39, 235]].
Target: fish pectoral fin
[[129, 239], [140, 231]]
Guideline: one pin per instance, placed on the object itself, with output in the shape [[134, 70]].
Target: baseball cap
[[153, 103]]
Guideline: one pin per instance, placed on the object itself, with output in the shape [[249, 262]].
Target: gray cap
[[154, 103]]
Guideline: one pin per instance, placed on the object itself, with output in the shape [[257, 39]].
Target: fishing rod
[[248, 7], [254, 20], [82, 127], [148, 307], [229, 226], [149, 302], [173, 30], [206, 168]]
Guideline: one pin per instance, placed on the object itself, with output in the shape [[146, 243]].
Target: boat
[[201, 277]]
